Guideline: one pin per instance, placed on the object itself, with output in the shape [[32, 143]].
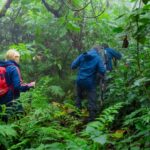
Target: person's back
[[88, 64], [13, 78]]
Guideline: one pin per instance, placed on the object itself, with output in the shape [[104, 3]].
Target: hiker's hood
[[90, 54], [8, 63]]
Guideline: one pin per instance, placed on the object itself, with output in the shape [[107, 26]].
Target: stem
[[138, 56], [137, 46]]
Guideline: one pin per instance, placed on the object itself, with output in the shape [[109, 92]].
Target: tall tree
[[5, 7]]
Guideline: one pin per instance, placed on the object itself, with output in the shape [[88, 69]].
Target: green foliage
[[145, 1], [7, 134], [44, 127], [48, 44], [7, 131], [98, 131], [56, 90], [140, 121], [140, 118], [23, 50]]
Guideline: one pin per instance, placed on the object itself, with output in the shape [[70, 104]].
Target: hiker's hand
[[31, 84], [103, 87]]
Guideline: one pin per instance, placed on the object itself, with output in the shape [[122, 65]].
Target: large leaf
[[56, 90], [145, 1], [118, 29], [101, 139], [73, 27], [7, 131], [92, 131], [140, 82]]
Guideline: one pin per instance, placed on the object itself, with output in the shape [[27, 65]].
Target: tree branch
[[52, 10], [5, 7], [93, 9], [90, 17], [76, 9]]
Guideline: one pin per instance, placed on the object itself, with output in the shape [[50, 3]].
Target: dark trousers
[[13, 106], [87, 87]]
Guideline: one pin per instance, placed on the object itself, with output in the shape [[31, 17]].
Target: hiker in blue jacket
[[13, 79], [112, 55], [89, 64]]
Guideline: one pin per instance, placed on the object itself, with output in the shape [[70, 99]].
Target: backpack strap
[[21, 81], [18, 70], [105, 56]]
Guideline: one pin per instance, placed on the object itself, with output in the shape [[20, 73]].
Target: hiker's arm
[[29, 85], [16, 81], [115, 54], [76, 62]]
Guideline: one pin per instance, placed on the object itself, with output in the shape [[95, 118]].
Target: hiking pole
[[115, 62], [102, 90]]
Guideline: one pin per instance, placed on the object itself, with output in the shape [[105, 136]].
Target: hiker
[[11, 89], [111, 55], [89, 64]]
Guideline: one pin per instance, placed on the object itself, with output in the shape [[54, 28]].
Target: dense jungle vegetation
[[49, 34]]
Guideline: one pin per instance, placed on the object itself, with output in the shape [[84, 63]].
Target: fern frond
[[7, 131], [98, 130], [140, 115], [56, 90]]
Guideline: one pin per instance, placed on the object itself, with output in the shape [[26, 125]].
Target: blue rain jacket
[[13, 79], [111, 53], [89, 64]]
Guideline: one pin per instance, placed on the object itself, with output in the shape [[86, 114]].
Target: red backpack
[[3, 84]]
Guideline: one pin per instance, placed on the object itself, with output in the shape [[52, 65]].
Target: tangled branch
[[90, 17], [51, 9], [80, 9], [90, 2]]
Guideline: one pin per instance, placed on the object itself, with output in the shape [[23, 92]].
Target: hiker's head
[[105, 45], [98, 48], [14, 55]]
